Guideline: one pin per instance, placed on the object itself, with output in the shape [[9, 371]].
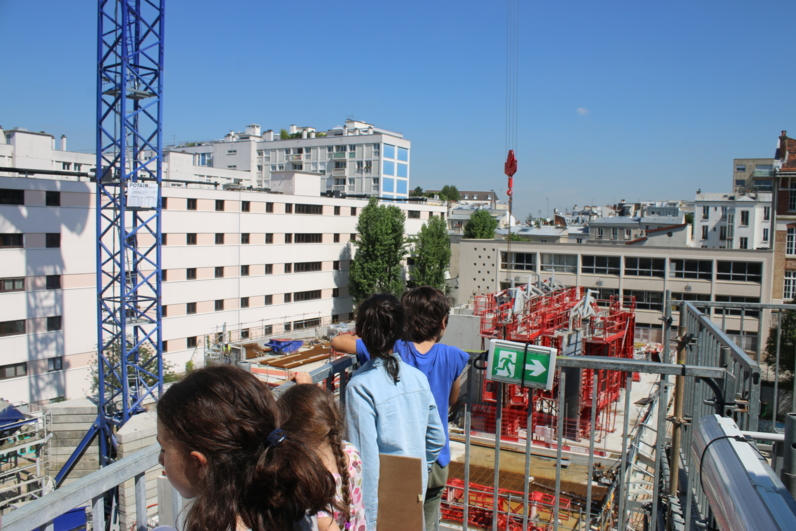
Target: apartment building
[[261, 262], [784, 287], [356, 158], [694, 274], [733, 221], [752, 175]]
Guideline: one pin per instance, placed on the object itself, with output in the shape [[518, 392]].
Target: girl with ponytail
[[222, 444], [312, 414], [389, 405]]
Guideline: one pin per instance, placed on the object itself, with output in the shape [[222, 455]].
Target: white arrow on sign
[[535, 367]]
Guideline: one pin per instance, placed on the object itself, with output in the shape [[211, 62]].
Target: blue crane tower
[[128, 206]]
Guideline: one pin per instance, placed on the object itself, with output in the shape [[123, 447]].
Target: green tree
[[381, 247], [689, 219], [529, 219], [787, 347], [112, 381], [449, 193], [417, 192], [432, 254], [283, 134], [514, 237], [481, 225]]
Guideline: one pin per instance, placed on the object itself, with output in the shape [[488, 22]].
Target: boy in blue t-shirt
[[426, 311]]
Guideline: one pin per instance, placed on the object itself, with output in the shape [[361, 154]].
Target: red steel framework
[[547, 319]]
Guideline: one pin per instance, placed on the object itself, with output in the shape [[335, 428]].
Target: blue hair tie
[[275, 437]]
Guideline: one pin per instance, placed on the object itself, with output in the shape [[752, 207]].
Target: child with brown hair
[[312, 414], [222, 443]]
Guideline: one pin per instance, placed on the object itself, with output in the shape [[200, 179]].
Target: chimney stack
[[63, 142]]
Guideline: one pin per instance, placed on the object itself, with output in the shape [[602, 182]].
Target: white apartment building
[[259, 262], [725, 275], [733, 221], [356, 158]]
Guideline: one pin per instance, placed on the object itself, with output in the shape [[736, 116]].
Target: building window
[[54, 323], [790, 286], [766, 213], [288, 268], [268, 330], [765, 235], [163, 239], [220, 272], [191, 204], [244, 333], [53, 240], [309, 209], [55, 364], [723, 232], [705, 212], [269, 269], [335, 318], [164, 202], [737, 311], [52, 198], [13, 371], [792, 198], [53, 282], [244, 238], [190, 308], [304, 267], [288, 238], [790, 241], [744, 217], [646, 300], [163, 310], [163, 275], [269, 238], [245, 206], [191, 342], [600, 265], [307, 295], [336, 238], [12, 284], [190, 238], [521, 261], [288, 297], [244, 271], [614, 233], [12, 197], [628, 234], [10, 240], [244, 302], [599, 232], [219, 205], [694, 269], [190, 273], [220, 238], [337, 211], [564, 263], [645, 267], [269, 208], [414, 214], [691, 297], [705, 229], [336, 265], [306, 323], [743, 243], [12, 328], [288, 208], [220, 305], [353, 211], [739, 271], [335, 292], [352, 237], [269, 300], [309, 238]]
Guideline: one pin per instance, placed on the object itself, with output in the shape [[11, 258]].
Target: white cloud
[[582, 111]]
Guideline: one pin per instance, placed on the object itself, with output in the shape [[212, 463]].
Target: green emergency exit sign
[[516, 363]]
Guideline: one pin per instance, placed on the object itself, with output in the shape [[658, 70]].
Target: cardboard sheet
[[400, 493]]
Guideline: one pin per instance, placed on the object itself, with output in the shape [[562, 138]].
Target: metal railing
[[92, 488], [645, 482]]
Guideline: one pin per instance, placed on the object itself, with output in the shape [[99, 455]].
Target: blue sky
[[617, 100]]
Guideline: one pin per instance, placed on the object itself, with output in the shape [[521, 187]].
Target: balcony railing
[[644, 481], [338, 171]]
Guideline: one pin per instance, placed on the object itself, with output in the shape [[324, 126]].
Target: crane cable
[[512, 103]]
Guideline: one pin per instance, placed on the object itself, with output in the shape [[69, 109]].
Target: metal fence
[[711, 375]]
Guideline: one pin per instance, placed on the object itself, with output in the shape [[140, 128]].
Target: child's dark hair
[[311, 414], [426, 309], [380, 323], [227, 414]]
